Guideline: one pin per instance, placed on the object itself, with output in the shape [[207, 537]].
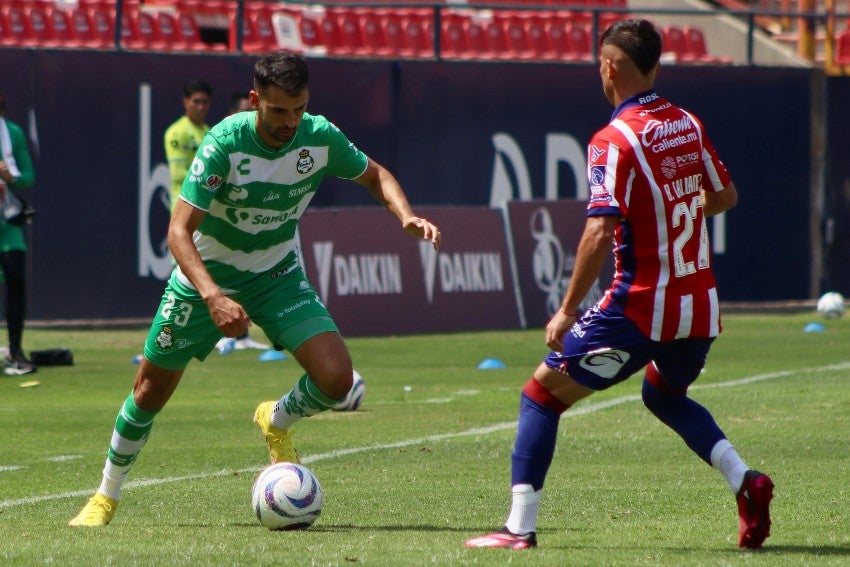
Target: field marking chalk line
[[574, 412]]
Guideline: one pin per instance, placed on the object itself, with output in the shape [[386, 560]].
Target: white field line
[[574, 412]]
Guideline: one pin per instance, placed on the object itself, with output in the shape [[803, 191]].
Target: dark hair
[[197, 86], [282, 69], [235, 98], [638, 39]]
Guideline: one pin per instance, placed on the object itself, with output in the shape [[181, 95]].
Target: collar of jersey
[[630, 102]]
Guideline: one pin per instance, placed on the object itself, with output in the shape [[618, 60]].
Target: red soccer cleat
[[505, 539], [754, 509]]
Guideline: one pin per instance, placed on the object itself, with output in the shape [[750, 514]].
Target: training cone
[[490, 364], [272, 354], [813, 328]]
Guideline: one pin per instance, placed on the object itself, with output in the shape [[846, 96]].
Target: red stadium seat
[[258, 32], [454, 42], [695, 43], [84, 29], [62, 27], [476, 34], [169, 31], [310, 30], [842, 48], [516, 37], [373, 30], [103, 22], [539, 37], [332, 34], [674, 42], [581, 47], [20, 30], [190, 35], [40, 24], [497, 39], [350, 31], [418, 34], [140, 31]]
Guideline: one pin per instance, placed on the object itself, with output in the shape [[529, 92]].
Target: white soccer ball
[[354, 397], [287, 496], [831, 305]]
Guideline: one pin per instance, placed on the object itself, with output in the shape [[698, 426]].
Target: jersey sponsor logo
[[659, 135], [213, 181], [669, 167], [305, 162], [596, 153], [605, 362], [300, 190], [597, 175]]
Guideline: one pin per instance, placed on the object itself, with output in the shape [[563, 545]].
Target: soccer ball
[[287, 496], [354, 397], [831, 305]]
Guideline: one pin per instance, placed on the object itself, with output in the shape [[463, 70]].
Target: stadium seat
[[696, 45], [140, 31], [39, 22], [497, 39], [6, 38], [169, 31], [373, 30], [396, 35], [350, 30], [580, 44], [476, 35], [517, 45], [84, 29], [190, 35], [454, 43], [538, 37], [418, 33], [332, 34], [103, 22], [63, 30], [842, 48], [674, 42], [310, 30], [20, 30]]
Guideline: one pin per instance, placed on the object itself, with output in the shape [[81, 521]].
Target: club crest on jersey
[[305, 162], [164, 339]]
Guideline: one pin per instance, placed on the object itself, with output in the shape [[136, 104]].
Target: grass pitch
[[418, 470]]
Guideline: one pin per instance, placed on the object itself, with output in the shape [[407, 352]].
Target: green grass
[[410, 476]]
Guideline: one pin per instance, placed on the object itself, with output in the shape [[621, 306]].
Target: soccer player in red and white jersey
[[654, 178]]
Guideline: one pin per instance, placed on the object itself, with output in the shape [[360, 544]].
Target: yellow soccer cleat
[[98, 511], [279, 440]]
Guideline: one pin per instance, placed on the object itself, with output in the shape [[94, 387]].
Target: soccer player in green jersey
[[232, 234], [183, 137]]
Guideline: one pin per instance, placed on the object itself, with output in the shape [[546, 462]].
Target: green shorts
[[288, 310]]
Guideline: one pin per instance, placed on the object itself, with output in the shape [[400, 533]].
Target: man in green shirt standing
[[233, 236], [16, 171], [185, 134]]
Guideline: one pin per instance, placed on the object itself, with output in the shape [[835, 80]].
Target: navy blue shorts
[[603, 349]]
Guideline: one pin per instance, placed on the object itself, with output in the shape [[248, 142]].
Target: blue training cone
[[814, 328], [272, 354], [490, 364]]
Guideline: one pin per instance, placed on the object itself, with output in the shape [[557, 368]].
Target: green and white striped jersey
[[254, 195]]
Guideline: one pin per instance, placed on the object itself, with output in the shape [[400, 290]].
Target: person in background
[[654, 178], [16, 171], [232, 271], [183, 137]]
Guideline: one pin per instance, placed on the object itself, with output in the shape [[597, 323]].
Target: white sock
[[113, 479], [725, 458], [525, 503]]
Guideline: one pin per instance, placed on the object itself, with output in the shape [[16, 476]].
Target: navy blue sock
[[535, 442], [686, 417]]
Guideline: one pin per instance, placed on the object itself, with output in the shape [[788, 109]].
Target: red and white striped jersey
[[648, 166]]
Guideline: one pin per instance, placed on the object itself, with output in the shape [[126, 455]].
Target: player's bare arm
[[721, 201], [227, 315], [386, 189], [593, 248]]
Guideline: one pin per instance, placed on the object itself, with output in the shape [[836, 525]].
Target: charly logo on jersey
[[305, 162], [605, 362], [237, 193]]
